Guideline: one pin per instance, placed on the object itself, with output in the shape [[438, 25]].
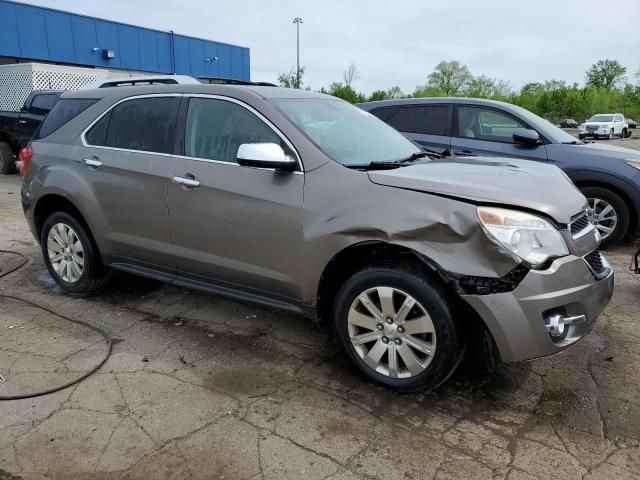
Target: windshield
[[548, 129], [346, 134], [601, 118]]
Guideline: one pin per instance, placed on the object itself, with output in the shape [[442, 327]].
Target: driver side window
[[486, 124], [216, 128]]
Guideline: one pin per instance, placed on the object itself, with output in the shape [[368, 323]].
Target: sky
[[398, 43]]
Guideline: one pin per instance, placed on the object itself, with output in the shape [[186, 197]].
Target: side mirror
[[526, 137], [265, 155]]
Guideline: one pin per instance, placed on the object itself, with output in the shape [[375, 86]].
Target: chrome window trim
[[257, 114], [135, 97], [83, 139]]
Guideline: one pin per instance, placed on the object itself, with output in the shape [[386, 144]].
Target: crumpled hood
[[521, 183]]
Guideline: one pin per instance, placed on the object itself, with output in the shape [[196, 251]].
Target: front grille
[[579, 224], [592, 128], [594, 260]]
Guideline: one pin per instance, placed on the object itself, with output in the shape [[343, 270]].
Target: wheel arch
[[54, 202], [634, 212]]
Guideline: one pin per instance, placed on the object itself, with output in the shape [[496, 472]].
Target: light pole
[[297, 21]]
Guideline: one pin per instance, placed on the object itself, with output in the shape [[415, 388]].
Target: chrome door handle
[[91, 162], [186, 182], [22, 122]]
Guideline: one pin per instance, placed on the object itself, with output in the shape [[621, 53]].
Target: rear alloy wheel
[[398, 327], [70, 255], [609, 214]]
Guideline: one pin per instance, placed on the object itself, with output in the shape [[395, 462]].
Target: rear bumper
[[516, 319]]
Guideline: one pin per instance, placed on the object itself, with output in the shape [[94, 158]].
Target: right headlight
[[529, 237]]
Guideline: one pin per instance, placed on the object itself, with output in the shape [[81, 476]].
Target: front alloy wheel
[[391, 332], [399, 326], [65, 252]]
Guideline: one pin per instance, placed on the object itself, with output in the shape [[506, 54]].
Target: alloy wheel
[[65, 252], [603, 216], [391, 332]]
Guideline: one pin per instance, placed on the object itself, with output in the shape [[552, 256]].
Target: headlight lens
[[531, 238]]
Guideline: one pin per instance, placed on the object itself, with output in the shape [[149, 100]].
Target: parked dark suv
[[303, 202], [608, 176]]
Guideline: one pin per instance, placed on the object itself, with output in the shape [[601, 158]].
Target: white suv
[[604, 125]]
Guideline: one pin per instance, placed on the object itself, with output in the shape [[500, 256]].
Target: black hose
[[98, 330]]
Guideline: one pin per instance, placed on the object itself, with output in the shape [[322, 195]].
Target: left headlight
[[529, 237]]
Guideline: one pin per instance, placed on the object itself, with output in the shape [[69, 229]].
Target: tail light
[[25, 156]]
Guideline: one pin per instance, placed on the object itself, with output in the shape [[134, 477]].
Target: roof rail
[[169, 80], [230, 81], [149, 80]]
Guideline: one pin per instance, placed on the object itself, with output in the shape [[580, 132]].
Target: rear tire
[[620, 209], [429, 325], [70, 255], [7, 159]]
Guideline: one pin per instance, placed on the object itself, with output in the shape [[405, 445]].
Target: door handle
[[186, 182], [22, 122], [466, 153], [91, 162]]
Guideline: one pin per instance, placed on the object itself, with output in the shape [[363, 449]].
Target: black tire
[[450, 341], [611, 135], [582, 137], [94, 275], [618, 205], [7, 159]]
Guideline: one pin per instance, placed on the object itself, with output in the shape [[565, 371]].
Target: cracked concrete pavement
[[202, 387]]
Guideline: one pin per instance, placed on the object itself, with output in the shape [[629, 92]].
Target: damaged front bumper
[[519, 320]]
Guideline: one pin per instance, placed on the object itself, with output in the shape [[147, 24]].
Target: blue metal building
[[29, 33]]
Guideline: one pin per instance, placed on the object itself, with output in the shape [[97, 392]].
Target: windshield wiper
[[574, 142], [395, 163]]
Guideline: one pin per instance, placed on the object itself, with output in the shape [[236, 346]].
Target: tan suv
[[301, 202]]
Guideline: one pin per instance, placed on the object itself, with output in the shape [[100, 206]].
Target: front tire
[[399, 327], [610, 136], [7, 159], [70, 255], [609, 213]]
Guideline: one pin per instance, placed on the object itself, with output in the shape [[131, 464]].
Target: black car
[[569, 123], [16, 128], [632, 123], [608, 176]]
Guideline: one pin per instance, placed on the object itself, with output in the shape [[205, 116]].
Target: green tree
[[485, 87], [290, 80], [449, 77], [377, 95], [345, 92], [606, 74]]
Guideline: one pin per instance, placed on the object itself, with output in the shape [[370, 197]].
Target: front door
[[489, 132], [238, 227]]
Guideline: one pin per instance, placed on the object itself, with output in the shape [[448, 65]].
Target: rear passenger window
[[144, 124], [41, 104], [425, 119], [383, 113], [62, 113], [216, 128]]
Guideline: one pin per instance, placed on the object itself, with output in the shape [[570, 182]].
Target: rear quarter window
[[63, 112]]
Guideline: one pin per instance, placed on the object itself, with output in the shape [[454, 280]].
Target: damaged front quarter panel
[[344, 208]]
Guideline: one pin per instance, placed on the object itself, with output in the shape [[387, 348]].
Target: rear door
[[125, 159], [488, 131], [234, 226], [428, 125]]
